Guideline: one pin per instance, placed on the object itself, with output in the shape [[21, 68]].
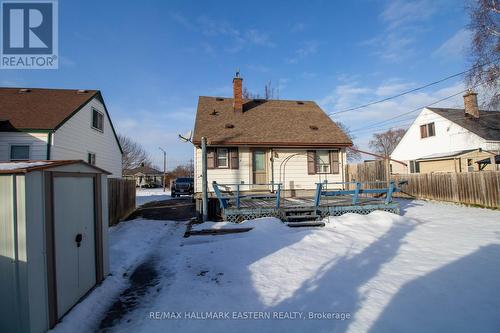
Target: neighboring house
[[144, 176], [449, 140], [58, 124], [254, 141], [459, 161]]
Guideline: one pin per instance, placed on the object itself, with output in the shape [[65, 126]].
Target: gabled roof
[[487, 126], [25, 109], [146, 170], [283, 123]]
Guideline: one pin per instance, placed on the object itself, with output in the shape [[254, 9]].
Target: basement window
[[427, 130], [414, 167], [91, 158], [97, 120], [19, 152]]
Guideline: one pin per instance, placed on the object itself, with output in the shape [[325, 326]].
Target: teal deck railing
[[224, 195], [322, 190]]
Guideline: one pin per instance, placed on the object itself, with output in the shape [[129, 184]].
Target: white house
[[253, 141], [58, 124], [442, 137]]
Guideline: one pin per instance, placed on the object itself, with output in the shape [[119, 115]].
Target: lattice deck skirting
[[239, 215]]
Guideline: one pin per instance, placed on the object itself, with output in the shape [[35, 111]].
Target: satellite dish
[[186, 137]]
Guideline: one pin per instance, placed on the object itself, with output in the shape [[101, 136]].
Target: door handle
[[78, 239]]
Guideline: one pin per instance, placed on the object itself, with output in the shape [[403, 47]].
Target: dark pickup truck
[[182, 186]]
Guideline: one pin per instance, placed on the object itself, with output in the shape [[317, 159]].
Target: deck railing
[[225, 195], [322, 190]]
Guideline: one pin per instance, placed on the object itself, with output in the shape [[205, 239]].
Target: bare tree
[[384, 143], [134, 154], [269, 92], [485, 48], [352, 155]]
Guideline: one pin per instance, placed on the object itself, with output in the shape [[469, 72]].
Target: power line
[[417, 109], [411, 90]]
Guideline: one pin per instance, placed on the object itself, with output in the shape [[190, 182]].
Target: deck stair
[[302, 217]]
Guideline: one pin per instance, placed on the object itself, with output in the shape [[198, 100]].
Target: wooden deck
[[331, 206], [304, 202]]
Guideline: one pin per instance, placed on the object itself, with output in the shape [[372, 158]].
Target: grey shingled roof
[[487, 126]]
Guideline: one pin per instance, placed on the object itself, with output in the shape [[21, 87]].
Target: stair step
[[294, 210], [306, 224], [302, 217]]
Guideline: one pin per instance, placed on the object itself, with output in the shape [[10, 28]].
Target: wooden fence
[[481, 188], [121, 199]]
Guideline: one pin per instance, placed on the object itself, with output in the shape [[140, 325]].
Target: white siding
[[293, 174], [449, 137], [226, 176], [36, 141], [76, 138]]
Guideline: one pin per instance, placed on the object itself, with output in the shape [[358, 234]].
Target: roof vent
[[219, 99], [300, 103], [82, 91], [214, 113], [24, 90], [313, 127], [229, 126]]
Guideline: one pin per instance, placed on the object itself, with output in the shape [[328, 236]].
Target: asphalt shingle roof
[[487, 126], [266, 123]]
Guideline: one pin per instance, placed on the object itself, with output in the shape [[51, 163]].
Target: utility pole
[[204, 184], [164, 168]]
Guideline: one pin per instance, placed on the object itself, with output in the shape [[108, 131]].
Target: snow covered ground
[[434, 269], [143, 196]]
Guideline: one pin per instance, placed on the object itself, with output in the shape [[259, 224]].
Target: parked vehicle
[[182, 186]]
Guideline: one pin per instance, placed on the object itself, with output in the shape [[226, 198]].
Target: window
[[427, 130], [414, 167], [97, 120], [222, 160], [91, 158], [322, 161], [19, 152], [470, 165]]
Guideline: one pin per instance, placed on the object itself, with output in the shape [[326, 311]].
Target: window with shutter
[[335, 161], [210, 158], [423, 131], [234, 158], [311, 162], [323, 161]]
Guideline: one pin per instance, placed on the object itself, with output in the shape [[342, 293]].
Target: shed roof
[[28, 166], [283, 123]]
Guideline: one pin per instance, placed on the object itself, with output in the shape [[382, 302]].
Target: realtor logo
[[29, 35]]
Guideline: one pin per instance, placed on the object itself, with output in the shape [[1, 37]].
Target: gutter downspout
[[49, 144]]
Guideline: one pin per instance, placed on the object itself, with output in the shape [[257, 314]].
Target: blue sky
[[152, 59]]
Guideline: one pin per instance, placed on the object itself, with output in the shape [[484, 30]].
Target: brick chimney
[[238, 93], [470, 104]]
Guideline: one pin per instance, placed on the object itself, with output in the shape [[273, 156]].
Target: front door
[[259, 168], [74, 223]]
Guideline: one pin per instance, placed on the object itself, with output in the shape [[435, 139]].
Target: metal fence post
[[204, 180]]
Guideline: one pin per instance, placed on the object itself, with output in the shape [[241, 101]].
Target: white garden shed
[[53, 240]]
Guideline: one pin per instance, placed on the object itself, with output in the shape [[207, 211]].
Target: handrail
[[224, 200], [388, 191]]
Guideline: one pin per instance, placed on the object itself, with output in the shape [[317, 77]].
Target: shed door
[[74, 261]]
